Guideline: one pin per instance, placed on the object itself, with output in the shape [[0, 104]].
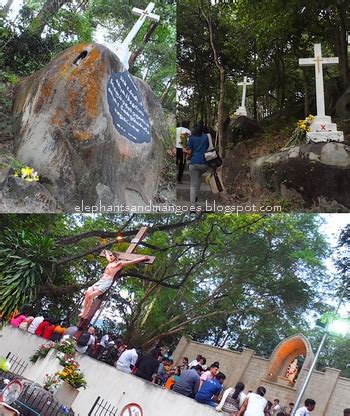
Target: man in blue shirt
[[210, 390], [188, 382]]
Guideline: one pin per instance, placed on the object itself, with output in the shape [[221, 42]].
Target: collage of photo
[[175, 207]]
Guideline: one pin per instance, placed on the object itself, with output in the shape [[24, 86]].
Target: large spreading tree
[[238, 281]]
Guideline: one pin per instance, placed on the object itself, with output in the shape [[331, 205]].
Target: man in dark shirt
[[188, 382], [147, 365]]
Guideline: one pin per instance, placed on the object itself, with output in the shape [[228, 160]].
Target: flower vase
[[66, 394]]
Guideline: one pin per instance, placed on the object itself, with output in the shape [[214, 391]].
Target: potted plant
[[72, 379]]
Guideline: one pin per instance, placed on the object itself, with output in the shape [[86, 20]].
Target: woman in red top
[[48, 331]]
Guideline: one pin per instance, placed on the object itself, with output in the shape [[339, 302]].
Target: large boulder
[[315, 173], [240, 129], [234, 162], [91, 130]]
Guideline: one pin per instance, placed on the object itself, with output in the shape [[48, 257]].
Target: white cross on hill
[[242, 111]]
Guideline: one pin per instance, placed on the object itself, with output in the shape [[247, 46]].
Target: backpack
[[83, 339]]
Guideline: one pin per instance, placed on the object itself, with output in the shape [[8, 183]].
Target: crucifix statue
[[98, 293], [322, 129], [242, 111], [123, 49]]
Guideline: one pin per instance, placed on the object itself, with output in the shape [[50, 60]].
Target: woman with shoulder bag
[[198, 145]]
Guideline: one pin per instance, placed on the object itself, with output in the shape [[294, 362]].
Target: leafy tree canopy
[[237, 281]]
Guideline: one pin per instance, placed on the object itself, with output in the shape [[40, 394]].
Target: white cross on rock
[[122, 49], [242, 111], [322, 129]]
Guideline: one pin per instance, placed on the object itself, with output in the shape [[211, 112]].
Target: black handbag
[[215, 163], [211, 156]]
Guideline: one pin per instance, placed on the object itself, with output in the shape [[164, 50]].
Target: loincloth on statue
[[103, 285]]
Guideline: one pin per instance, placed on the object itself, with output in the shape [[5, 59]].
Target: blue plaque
[[125, 106]]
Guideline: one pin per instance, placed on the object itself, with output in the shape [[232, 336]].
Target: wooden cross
[[318, 61], [127, 255]]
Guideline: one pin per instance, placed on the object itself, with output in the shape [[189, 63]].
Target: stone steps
[[183, 192]]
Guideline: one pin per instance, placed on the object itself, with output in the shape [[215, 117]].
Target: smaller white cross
[[242, 111], [122, 49], [318, 61], [144, 14], [244, 92]]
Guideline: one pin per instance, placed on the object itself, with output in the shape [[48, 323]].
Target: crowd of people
[[191, 379]]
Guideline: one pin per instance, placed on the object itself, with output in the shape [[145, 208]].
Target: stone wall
[[331, 392]]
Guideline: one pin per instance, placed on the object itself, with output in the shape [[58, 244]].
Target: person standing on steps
[[182, 135], [198, 144]]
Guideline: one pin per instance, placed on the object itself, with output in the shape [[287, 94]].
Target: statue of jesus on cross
[[115, 265], [97, 293]]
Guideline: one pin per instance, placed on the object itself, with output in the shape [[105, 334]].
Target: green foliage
[[237, 281], [262, 40], [25, 262], [41, 352]]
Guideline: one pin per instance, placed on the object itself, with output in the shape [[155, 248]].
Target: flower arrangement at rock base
[[42, 352], [299, 134], [51, 382]]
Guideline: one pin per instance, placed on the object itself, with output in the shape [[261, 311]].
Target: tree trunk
[[343, 48], [165, 94], [146, 39], [221, 119], [50, 8], [255, 98]]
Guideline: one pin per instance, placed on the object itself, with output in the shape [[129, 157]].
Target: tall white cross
[[318, 61], [242, 111], [122, 49], [321, 129]]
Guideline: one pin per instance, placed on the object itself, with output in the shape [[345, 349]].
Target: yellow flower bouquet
[[73, 376], [299, 134]]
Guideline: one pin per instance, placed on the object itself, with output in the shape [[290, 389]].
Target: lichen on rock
[[67, 133]]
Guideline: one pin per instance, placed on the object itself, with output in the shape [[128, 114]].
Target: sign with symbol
[[131, 409], [126, 108]]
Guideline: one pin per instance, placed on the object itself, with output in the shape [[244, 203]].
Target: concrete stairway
[[183, 192]]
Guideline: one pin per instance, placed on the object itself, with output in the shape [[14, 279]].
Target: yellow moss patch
[[69, 57], [81, 135], [89, 76], [45, 94]]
